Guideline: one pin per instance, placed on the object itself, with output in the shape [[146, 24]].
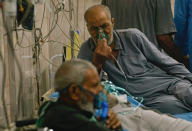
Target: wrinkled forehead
[[96, 16], [92, 77]]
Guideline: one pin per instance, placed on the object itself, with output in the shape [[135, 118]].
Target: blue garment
[[185, 116], [183, 23]]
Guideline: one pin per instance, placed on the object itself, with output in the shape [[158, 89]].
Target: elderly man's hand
[[112, 121], [112, 100], [102, 52]]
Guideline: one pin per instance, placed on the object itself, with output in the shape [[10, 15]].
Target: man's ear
[[112, 21], [74, 92]]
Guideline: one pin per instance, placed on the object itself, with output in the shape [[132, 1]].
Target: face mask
[[101, 34], [100, 104]]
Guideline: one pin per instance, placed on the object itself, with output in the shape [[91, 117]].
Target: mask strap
[[83, 89]]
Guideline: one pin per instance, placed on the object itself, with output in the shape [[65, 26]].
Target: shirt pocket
[[134, 64]]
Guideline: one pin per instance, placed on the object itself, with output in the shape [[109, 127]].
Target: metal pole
[[71, 28]]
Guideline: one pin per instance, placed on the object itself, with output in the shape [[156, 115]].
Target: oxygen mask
[[101, 34]]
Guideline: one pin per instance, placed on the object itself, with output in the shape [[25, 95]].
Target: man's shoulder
[[55, 112], [132, 37], [89, 41], [87, 45], [86, 50], [61, 117], [130, 34], [129, 31]]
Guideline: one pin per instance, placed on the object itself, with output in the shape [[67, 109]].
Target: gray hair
[[105, 8], [72, 72]]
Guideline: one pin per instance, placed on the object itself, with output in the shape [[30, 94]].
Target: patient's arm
[[161, 60]]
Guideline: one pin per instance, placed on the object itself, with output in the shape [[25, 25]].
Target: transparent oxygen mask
[[101, 34]]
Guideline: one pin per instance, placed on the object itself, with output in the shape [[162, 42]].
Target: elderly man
[[77, 82], [73, 110], [134, 63]]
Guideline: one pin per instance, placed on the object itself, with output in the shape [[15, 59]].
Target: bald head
[[95, 9]]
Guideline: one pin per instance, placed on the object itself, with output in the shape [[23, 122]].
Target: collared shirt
[[183, 22], [141, 68]]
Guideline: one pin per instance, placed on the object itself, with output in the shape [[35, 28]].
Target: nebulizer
[[101, 34], [101, 107], [100, 104]]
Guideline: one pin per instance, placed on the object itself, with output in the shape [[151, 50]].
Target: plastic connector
[[102, 113], [101, 34]]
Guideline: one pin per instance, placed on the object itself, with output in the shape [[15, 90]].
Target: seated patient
[[77, 82], [74, 108], [131, 61]]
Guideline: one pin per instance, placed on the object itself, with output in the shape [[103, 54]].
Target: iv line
[[121, 69]]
